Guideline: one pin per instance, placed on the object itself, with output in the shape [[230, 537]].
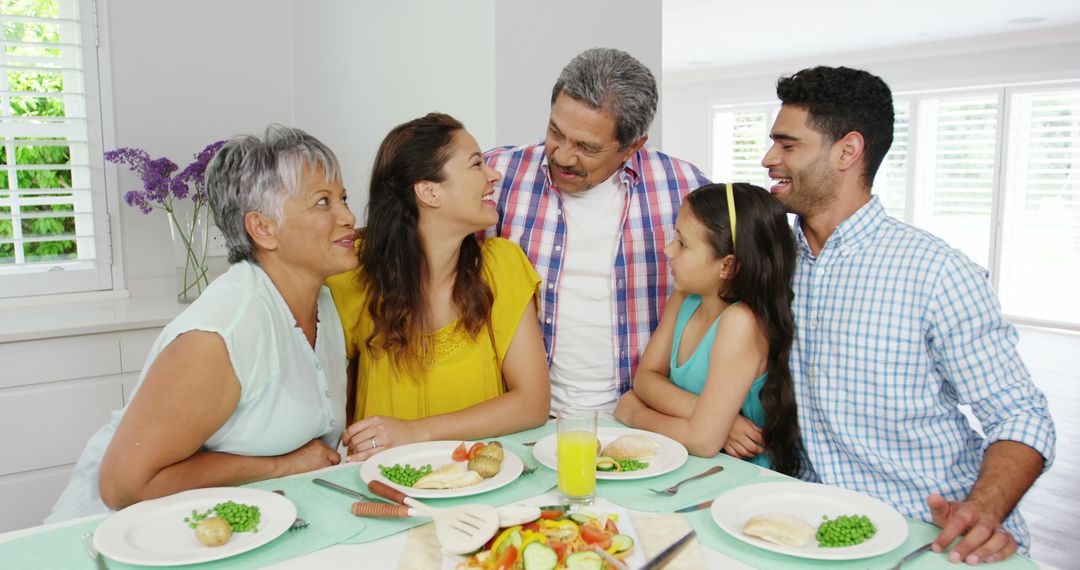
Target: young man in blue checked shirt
[[895, 330]]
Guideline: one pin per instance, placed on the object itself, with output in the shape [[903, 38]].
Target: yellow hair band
[[731, 212]]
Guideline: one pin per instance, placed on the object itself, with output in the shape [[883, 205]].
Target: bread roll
[[780, 528], [639, 447], [449, 476]]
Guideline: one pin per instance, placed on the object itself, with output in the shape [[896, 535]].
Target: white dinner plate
[[810, 502], [437, 454], [670, 454], [636, 558], [153, 533]]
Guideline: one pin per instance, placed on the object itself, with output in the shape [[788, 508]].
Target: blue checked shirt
[[895, 330]]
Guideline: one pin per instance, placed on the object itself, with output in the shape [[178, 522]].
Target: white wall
[[185, 74], [363, 67], [687, 104], [535, 40]]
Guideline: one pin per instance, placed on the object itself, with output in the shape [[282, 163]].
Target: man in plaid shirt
[[593, 207], [895, 331]]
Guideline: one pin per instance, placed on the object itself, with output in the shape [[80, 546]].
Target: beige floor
[[1052, 506]]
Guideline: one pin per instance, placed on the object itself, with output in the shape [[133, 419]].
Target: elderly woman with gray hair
[[248, 383]]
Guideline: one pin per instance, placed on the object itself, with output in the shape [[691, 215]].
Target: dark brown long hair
[[393, 267], [765, 259]]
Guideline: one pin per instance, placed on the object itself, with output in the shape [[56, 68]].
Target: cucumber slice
[[581, 518], [514, 538], [621, 543], [539, 556], [607, 464], [587, 560]]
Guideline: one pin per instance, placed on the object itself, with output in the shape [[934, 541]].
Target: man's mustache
[[563, 168]]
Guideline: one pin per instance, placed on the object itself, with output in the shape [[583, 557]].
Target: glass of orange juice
[[577, 455]]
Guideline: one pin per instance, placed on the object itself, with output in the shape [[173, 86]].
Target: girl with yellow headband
[[719, 356]]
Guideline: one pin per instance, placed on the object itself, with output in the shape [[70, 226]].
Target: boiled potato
[[493, 450], [213, 531], [485, 466]]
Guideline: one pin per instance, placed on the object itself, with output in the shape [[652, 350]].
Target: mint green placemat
[[538, 433], [636, 493], [328, 512], [919, 533]]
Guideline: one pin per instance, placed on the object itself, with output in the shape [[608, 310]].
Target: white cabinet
[[54, 394]]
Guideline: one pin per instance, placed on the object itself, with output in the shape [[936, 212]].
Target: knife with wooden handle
[[696, 507]]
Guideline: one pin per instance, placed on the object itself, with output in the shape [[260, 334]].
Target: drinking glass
[[577, 455]]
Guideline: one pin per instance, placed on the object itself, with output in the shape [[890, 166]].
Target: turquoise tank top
[[693, 373]]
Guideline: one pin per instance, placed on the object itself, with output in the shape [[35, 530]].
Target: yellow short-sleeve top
[[464, 371]]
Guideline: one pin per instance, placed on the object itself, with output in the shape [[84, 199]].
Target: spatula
[[460, 529]]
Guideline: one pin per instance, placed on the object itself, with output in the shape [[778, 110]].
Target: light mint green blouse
[[289, 392], [693, 373]]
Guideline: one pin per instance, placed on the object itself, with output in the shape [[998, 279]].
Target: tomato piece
[[560, 548], [611, 528], [551, 515], [475, 450], [506, 560], [531, 527], [460, 454], [596, 537]]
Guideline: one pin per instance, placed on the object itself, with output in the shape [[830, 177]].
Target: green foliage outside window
[[59, 177]]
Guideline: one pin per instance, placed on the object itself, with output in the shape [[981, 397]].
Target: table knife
[[345, 490], [696, 507], [665, 556]]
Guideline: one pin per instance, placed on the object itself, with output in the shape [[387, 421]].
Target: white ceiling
[[702, 36]]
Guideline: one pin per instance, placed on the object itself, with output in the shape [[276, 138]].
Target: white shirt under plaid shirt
[[895, 330], [530, 214]]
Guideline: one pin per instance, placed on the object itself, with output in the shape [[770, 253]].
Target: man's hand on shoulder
[[984, 538]]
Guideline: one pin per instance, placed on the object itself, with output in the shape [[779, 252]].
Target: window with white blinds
[[53, 222], [741, 138], [1040, 241], [891, 181], [955, 170], [994, 172]]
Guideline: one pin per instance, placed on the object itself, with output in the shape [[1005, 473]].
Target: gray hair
[[252, 174], [612, 80]]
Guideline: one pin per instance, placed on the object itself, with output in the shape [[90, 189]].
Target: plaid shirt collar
[[631, 170]]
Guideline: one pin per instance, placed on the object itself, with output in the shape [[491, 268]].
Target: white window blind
[[53, 223], [1040, 251], [891, 184], [741, 138], [955, 170]]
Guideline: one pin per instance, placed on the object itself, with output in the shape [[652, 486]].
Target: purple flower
[[135, 199], [135, 158], [195, 173], [159, 184]]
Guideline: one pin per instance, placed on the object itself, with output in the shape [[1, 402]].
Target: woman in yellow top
[[440, 328]]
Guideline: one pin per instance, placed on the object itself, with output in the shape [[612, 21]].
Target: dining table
[[334, 538]]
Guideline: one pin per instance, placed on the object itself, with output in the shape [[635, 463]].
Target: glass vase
[[189, 236]]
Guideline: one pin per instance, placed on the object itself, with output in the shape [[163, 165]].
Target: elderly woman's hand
[[311, 456], [376, 433]]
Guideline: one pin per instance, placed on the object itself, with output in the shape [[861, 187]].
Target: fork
[[913, 554], [675, 488], [297, 524], [526, 470], [88, 543]]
